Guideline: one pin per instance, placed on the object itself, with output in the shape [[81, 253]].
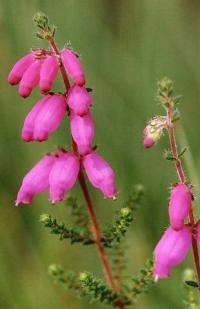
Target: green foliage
[[46, 31], [96, 289], [143, 282], [75, 234], [192, 299], [86, 285], [117, 230]]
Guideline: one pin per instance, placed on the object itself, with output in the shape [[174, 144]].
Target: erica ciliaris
[[182, 234]]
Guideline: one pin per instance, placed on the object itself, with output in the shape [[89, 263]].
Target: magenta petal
[[100, 174], [82, 130], [49, 117], [48, 73], [30, 79], [63, 176], [19, 68], [179, 205], [79, 100], [73, 66], [171, 250], [28, 127], [36, 180]]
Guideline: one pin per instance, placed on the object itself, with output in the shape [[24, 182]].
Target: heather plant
[[183, 232], [59, 170]]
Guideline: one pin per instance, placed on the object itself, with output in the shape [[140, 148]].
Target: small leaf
[[177, 99], [182, 152], [191, 283]]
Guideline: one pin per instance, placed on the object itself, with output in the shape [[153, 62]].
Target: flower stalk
[[95, 226], [182, 179]]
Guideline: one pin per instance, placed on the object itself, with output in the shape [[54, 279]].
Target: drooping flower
[[30, 79], [171, 250], [179, 205], [49, 117], [36, 180], [82, 130], [63, 175], [28, 126], [48, 73], [73, 66], [79, 100], [100, 174], [19, 68]]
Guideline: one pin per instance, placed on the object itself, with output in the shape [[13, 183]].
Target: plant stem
[[182, 178], [95, 229]]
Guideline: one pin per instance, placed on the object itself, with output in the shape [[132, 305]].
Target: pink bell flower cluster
[[172, 248], [58, 172]]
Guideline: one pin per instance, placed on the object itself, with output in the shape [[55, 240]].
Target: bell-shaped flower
[[179, 205], [48, 73], [63, 175], [19, 68], [82, 130], [79, 100], [28, 127], [30, 79], [171, 250], [49, 117], [73, 66], [100, 174], [36, 180]]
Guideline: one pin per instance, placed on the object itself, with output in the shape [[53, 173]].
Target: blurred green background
[[126, 46]]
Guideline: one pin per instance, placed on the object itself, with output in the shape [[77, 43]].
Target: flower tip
[[16, 203], [156, 278], [24, 91], [148, 142]]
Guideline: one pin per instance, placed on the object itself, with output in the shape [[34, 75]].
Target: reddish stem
[[95, 229], [182, 178]]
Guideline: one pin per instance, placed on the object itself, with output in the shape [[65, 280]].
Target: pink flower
[[29, 122], [19, 68], [148, 138], [100, 174], [179, 205], [73, 66], [82, 130], [49, 117], [171, 251], [36, 180], [48, 73], [30, 78], [79, 100], [63, 176]]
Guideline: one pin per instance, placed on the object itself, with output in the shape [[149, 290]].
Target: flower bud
[[36, 180], [153, 131], [73, 66], [28, 127], [171, 251], [79, 100], [63, 176], [179, 205], [49, 117], [48, 73], [19, 68], [82, 130], [100, 174], [30, 79]]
